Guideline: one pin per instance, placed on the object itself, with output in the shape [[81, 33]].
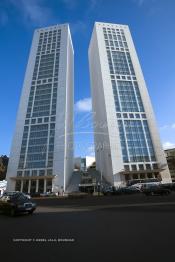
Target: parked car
[[36, 194], [155, 190], [10, 193], [119, 191], [170, 186], [111, 190], [129, 190], [16, 202], [48, 194]]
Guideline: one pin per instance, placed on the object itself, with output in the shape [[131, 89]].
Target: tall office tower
[[127, 143], [41, 157]]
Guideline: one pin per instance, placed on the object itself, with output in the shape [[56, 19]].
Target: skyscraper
[[41, 157], [127, 143]]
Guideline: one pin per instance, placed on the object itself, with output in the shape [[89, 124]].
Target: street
[[114, 228]]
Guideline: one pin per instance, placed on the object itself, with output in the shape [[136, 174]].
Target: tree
[[3, 166]]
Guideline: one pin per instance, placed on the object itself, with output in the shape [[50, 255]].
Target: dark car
[[16, 202], [155, 190], [111, 190], [170, 186], [129, 190], [119, 191]]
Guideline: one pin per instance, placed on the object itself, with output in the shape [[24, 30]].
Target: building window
[[33, 121], [148, 166], [18, 185], [142, 176], [149, 175], [27, 122], [126, 167], [41, 172], [27, 173], [141, 167], [19, 173], [155, 166], [46, 119], [34, 172], [133, 167], [136, 141]]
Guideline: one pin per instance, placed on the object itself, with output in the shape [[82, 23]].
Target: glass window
[[53, 118], [134, 167], [41, 172], [120, 63], [19, 173], [141, 167], [155, 166], [148, 166], [131, 115], [27, 173], [34, 172], [46, 119], [136, 141], [49, 172], [18, 185], [127, 96], [33, 121], [39, 120], [126, 167]]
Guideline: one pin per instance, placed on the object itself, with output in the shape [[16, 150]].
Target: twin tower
[[127, 143]]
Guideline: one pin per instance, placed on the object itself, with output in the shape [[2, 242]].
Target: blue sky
[[152, 24]]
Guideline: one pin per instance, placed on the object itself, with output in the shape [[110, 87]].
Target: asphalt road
[[123, 228]]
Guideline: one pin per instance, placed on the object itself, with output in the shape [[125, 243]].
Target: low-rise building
[[83, 163], [170, 156]]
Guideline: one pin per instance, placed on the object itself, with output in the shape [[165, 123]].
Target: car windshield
[[14, 195], [9, 193], [19, 196]]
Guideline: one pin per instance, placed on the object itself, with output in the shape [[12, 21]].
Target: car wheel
[[31, 212], [12, 212]]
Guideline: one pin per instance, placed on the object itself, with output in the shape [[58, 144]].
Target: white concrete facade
[[53, 48], [108, 148]]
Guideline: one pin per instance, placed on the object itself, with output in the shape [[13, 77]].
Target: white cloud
[[33, 11], [164, 127], [168, 145], [84, 105], [170, 126]]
